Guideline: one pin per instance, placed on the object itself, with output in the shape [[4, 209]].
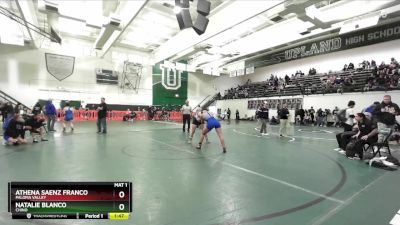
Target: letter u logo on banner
[[170, 78]]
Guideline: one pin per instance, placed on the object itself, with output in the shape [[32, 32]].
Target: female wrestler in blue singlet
[[211, 123]]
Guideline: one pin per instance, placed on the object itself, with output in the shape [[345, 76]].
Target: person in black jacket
[[36, 127], [302, 114], [263, 114], [37, 108], [367, 134], [386, 113], [7, 110], [102, 117], [283, 120], [15, 131]]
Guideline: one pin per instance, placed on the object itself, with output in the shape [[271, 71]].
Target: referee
[[186, 111]]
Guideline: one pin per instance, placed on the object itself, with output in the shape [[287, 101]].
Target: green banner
[[170, 82]]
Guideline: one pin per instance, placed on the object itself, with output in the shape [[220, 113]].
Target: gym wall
[[24, 76]]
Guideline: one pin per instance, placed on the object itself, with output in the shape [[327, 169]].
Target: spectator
[[345, 67], [18, 108], [349, 114], [311, 113], [287, 79], [335, 117], [371, 109], [328, 119], [367, 134], [301, 114], [307, 118], [14, 133], [37, 108], [319, 117], [382, 66], [263, 114], [393, 63], [7, 111], [284, 120], [386, 113], [237, 115], [51, 114], [351, 66], [228, 113], [36, 127], [373, 64]]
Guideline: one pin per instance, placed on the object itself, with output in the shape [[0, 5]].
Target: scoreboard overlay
[[70, 200]]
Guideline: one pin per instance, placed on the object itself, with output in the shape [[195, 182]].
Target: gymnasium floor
[[261, 180]]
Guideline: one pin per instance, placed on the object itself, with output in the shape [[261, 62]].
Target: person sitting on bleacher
[[14, 133], [393, 63], [351, 66], [36, 127]]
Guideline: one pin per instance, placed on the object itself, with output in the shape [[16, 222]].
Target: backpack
[[69, 115], [341, 115]]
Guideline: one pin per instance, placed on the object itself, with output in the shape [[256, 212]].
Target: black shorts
[[196, 122]]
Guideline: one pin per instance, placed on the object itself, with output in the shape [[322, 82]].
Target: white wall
[[317, 101], [24, 76], [333, 61], [241, 105], [200, 86]]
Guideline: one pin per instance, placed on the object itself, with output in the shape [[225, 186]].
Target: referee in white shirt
[[186, 111]]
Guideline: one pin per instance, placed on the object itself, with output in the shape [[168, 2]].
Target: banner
[[170, 82], [351, 40], [292, 103], [60, 66], [104, 76]]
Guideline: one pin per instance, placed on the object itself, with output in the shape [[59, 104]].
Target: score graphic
[[70, 200]]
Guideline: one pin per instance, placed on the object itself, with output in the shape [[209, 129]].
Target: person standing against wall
[[186, 113], [228, 113], [102, 117], [51, 115]]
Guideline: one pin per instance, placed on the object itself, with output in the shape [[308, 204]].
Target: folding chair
[[379, 145]]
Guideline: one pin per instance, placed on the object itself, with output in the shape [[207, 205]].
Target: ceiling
[[237, 29]]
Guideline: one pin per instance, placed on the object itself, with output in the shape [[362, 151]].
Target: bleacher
[[305, 85]]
